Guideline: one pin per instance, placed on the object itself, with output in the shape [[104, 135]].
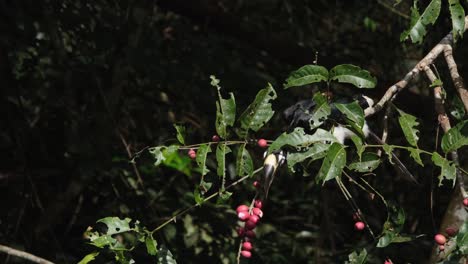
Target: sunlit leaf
[[347, 73], [333, 163], [416, 155], [388, 150], [306, 75], [165, 257], [418, 24], [257, 113], [408, 124], [447, 169], [317, 151], [180, 133], [353, 113], [202, 153], [244, 163], [456, 137], [151, 245], [457, 14], [369, 162], [298, 139], [115, 225], [225, 110], [88, 258]]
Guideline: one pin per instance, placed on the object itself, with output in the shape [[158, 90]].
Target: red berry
[[359, 226], [247, 246], [441, 247], [241, 231], [242, 208], [465, 201], [250, 224], [258, 204], [246, 254], [192, 154], [243, 216], [388, 261], [257, 211], [254, 218], [440, 239], [250, 234], [451, 231], [256, 184], [215, 138], [262, 143]]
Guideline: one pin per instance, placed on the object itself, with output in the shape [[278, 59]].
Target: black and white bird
[[300, 114]]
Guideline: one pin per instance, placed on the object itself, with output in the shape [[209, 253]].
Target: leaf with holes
[[225, 110], [418, 24], [388, 150], [321, 111], [299, 139], [416, 155], [244, 163], [306, 75], [202, 152], [447, 169], [348, 73], [457, 14], [369, 162], [456, 137], [115, 225], [408, 124], [354, 114], [258, 113], [333, 163], [317, 151]]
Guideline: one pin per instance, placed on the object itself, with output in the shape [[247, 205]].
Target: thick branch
[[447, 41], [456, 78], [23, 255]]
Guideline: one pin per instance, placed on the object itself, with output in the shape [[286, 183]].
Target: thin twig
[[393, 10], [23, 255]]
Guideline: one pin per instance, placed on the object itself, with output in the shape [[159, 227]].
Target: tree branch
[[456, 78], [23, 255]]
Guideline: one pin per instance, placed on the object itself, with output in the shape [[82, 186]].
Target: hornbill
[[300, 114]]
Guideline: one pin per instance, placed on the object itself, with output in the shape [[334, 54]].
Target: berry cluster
[[441, 240], [250, 217]]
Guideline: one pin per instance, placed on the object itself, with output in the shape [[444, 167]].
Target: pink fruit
[[246, 254], [250, 234], [241, 231], [359, 226], [441, 247], [247, 246], [242, 208], [388, 261], [192, 154], [451, 231], [262, 143], [258, 204], [243, 216], [257, 211], [215, 138], [256, 184], [465, 202], [254, 219], [440, 239], [250, 225]]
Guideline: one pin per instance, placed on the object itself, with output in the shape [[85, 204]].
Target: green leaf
[[355, 258], [165, 257], [88, 258], [321, 111], [462, 238], [416, 155], [408, 124], [202, 152], [456, 137], [306, 75], [388, 150], [392, 228], [369, 162], [221, 152], [115, 225], [244, 163], [447, 169], [458, 18], [353, 113], [157, 154], [348, 73], [457, 109], [258, 113], [360, 147], [417, 29], [333, 163], [180, 133], [225, 110], [151, 245], [298, 139], [436, 83], [317, 151]]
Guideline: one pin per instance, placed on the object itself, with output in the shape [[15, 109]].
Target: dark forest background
[[87, 84]]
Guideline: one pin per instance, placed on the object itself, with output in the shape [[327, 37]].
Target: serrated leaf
[[457, 14], [180, 133], [244, 163], [306, 75], [157, 154], [202, 152], [225, 110], [348, 73], [165, 257], [298, 139], [417, 29], [88, 258], [457, 109], [151, 245], [447, 169], [388, 150], [416, 155], [456, 137], [355, 258], [317, 151], [258, 113], [369, 162], [408, 124], [115, 225], [321, 111], [353, 113], [333, 163]]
